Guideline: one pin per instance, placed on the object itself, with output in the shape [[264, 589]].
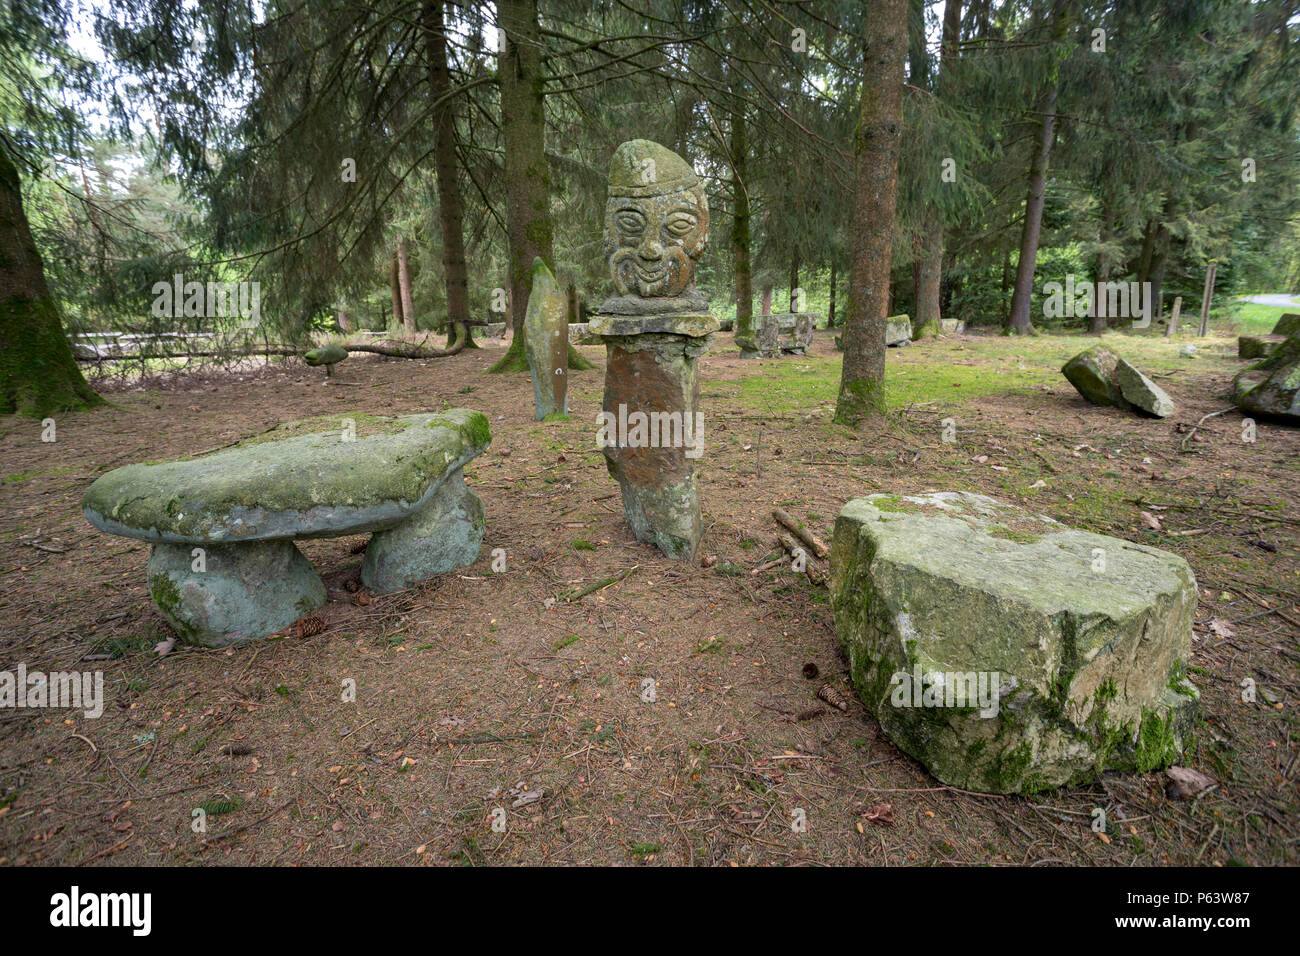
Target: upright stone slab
[[1007, 652], [546, 343], [655, 326], [803, 332]]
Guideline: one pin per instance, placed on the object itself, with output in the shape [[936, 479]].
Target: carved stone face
[[656, 242], [656, 221]]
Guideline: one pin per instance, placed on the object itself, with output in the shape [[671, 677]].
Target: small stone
[[1187, 351]]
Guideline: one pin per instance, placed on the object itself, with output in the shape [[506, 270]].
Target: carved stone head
[[656, 221]]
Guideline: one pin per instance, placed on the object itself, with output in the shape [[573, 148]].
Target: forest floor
[[480, 690]]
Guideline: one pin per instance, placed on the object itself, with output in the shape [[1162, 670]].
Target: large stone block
[[1258, 346], [1006, 652], [1104, 378], [1272, 387], [898, 330]]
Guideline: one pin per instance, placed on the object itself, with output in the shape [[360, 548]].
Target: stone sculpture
[[224, 567], [655, 326]]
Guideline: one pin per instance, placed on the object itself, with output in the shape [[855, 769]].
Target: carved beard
[[671, 275]]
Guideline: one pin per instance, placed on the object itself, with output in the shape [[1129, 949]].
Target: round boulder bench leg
[[232, 593], [443, 535]]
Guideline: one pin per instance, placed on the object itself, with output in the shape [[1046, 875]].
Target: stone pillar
[[655, 327], [651, 425]]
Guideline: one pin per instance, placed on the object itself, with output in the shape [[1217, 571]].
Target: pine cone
[[832, 696], [311, 626]]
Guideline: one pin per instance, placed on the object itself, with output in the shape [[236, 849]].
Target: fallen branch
[[599, 585], [1182, 446], [815, 543], [414, 350], [810, 568]]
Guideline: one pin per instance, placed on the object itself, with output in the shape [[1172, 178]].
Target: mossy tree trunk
[[529, 230], [877, 143], [38, 373]]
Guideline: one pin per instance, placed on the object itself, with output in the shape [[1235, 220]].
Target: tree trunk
[[529, 229], [876, 148], [1101, 271], [450, 203], [830, 318], [404, 284], [1157, 277], [740, 227], [38, 374], [1019, 321], [929, 277], [394, 282], [794, 284], [1143, 269]]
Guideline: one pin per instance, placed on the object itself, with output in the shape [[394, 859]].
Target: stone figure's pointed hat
[[641, 167]]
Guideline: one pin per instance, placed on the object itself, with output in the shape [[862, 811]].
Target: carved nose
[[651, 250]]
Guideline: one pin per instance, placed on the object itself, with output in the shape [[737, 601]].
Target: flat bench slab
[[224, 568], [321, 484]]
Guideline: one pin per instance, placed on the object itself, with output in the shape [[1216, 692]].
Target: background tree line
[[395, 164]]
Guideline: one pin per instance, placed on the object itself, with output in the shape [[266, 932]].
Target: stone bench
[[779, 332], [224, 568]]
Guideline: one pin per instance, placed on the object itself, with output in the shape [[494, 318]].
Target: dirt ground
[[481, 690]]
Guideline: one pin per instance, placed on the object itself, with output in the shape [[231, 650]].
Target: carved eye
[[680, 224], [629, 220]]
